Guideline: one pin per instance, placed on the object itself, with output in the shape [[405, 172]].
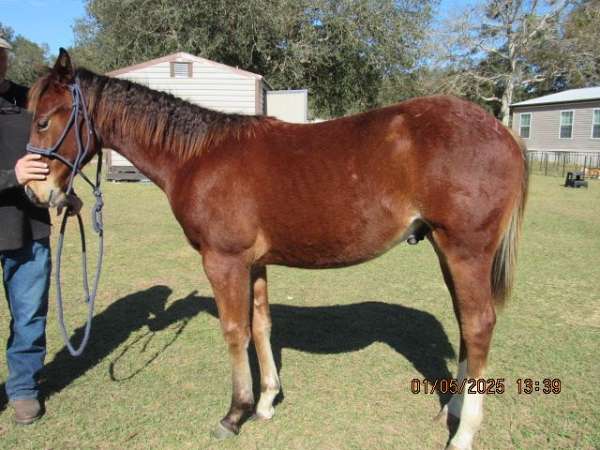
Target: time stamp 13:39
[[489, 386]]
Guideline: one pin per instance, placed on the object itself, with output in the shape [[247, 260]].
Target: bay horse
[[249, 191]]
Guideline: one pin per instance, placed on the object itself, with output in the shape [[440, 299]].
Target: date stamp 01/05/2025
[[488, 386]]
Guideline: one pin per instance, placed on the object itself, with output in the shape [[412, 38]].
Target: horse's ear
[[63, 69]]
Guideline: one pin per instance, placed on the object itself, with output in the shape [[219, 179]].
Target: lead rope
[[97, 223], [90, 298]]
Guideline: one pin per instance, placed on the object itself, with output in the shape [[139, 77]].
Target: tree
[[343, 51], [6, 32], [582, 38], [27, 58], [490, 47]]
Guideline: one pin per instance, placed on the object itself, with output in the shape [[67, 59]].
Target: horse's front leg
[[230, 280]]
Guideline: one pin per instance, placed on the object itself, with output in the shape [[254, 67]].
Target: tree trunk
[[507, 96]]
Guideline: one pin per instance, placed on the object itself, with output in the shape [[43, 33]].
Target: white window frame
[[521, 124], [593, 114], [560, 125]]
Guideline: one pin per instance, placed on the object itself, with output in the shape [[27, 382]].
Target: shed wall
[[210, 86]]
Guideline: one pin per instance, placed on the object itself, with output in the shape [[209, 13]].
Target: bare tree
[[581, 48], [485, 48]]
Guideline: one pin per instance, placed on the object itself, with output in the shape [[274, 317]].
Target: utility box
[[289, 106]]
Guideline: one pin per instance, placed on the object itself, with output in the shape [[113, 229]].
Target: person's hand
[[74, 205], [29, 168]]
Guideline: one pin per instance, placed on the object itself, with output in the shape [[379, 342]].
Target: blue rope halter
[[78, 109]]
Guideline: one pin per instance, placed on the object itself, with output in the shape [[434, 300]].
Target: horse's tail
[[506, 255]]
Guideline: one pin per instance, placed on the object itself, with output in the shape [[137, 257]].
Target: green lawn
[[156, 374]]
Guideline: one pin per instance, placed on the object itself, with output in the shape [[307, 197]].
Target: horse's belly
[[330, 250]]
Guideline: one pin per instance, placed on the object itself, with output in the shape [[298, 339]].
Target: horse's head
[[52, 102]]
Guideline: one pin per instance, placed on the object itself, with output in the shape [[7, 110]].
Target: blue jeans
[[26, 283]]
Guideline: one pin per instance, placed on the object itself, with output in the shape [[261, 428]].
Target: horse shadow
[[416, 335], [111, 328]]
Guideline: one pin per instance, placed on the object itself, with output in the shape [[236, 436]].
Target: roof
[[569, 96], [187, 56], [289, 91]]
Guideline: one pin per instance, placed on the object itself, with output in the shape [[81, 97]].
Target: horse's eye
[[43, 124]]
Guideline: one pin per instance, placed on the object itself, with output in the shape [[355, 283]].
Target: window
[[566, 124], [524, 125], [181, 69], [596, 124]]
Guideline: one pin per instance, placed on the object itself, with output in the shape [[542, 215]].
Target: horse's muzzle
[[56, 198]]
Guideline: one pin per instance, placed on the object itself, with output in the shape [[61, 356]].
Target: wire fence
[[560, 163]]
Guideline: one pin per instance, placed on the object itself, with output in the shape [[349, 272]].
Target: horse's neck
[[152, 163], [124, 125]]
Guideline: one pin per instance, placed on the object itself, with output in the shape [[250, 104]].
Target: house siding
[[545, 126]]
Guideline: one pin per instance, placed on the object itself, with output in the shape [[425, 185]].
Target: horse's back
[[411, 149]]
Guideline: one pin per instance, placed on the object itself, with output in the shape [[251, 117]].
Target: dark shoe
[[26, 411]]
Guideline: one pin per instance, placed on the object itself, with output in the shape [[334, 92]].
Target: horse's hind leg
[[261, 334], [467, 270], [230, 280]]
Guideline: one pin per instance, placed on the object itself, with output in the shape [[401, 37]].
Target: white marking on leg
[[269, 379], [265, 409], [471, 417]]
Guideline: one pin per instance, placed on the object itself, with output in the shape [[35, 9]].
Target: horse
[[250, 191]]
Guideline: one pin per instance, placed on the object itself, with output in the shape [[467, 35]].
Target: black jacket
[[20, 220]]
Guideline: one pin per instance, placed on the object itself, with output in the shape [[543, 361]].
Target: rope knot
[[97, 213]]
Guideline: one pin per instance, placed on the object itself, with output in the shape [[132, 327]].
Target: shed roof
[[184, 55], [568, 96]]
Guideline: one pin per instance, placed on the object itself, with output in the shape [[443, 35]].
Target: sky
[[50, 21], [43, 21]]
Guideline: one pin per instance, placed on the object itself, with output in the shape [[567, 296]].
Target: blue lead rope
[[78, 109]]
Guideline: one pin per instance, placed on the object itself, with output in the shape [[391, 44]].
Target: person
[[24, 250]]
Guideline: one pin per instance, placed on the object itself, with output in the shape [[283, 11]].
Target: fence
[[558, 163]]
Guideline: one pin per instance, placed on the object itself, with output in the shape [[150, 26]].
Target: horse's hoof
[[222, 432]]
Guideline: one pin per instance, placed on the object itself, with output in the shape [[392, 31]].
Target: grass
[[348, 342]]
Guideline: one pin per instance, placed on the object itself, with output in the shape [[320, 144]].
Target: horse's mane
[[153, 118]]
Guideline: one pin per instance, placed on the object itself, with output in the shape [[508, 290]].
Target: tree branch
[[490, 99]]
